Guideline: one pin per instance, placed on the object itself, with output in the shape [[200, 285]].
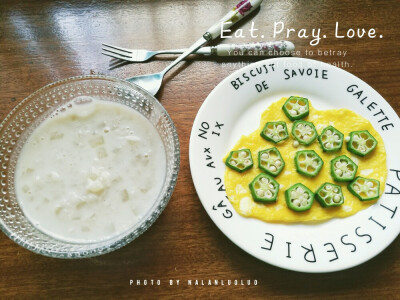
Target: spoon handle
[[241, 10], [278, 48]]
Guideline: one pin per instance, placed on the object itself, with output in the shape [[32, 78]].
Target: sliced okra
[[264, 188], [275, 131], [361, 142], [239, 160], [365, 189], [329, 195], [308, 162], [299, 197], [304, 132], [296, 108], [343, 168], [331, 139], [271, 161]]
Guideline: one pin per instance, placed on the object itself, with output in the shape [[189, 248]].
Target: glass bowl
[[27, 115]]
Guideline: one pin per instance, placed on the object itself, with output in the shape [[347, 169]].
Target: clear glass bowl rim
[[163, 199]]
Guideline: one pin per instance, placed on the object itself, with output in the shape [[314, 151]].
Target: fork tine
[[116, 55], [120, 63], [117, 61], [118, 48], [117, 52]]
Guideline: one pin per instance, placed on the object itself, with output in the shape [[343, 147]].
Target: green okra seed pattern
[[264, 188], [329, 194], [365, 188], [296, 108], [331, 139], [240, 160], [304, 132], [361, 142], [343, 168], [308, 162], [271, 161], [299, 197], [275, 131]]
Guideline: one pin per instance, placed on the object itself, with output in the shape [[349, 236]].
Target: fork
[[278, 48], [152, 82]]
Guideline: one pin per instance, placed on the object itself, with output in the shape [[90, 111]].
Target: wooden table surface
[[44, 41]]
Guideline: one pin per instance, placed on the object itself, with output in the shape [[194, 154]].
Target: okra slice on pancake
[[239, 160], [296, 108], [299, 197]]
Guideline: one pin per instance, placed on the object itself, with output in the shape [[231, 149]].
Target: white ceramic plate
[[234, 108]]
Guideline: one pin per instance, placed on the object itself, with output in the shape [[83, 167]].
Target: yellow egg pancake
[[372, 165]]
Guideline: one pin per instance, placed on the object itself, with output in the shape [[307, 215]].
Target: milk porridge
[[91, 171]]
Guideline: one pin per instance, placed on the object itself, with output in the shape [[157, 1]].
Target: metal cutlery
[[152, 82], [277, 48]]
